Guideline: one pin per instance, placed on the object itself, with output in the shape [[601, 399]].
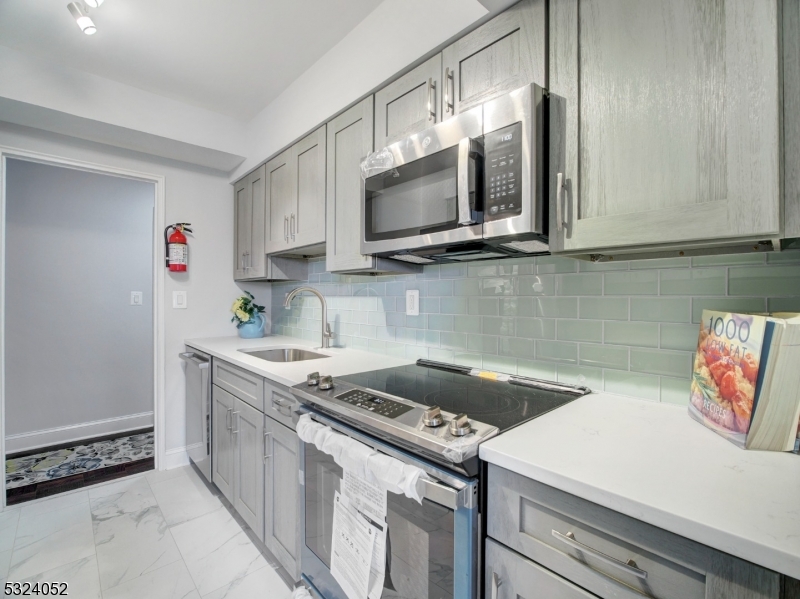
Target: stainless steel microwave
[[469, 188]]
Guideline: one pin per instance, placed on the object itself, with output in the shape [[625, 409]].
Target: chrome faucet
[[326, 328]]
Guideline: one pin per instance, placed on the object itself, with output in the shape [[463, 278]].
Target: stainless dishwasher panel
[[198, 410]]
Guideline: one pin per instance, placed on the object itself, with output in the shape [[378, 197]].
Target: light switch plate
[[412, 302], [136, 298], [179, 300]]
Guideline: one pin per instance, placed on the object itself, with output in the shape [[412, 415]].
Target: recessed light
[[93, 3], [82, 18]]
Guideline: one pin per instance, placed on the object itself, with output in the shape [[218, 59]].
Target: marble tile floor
[[158, 535]]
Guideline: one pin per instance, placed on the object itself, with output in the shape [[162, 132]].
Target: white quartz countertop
[[340, 361], [654, 463]]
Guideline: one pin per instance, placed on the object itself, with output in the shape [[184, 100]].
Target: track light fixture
[[81, 15]]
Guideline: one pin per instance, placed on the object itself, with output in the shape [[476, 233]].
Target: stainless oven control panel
[[373, 403], [503, 177]]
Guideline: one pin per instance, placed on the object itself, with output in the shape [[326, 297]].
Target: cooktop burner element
[[475, 402]]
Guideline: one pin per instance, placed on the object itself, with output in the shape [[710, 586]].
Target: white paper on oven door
[[352, 548], [365, 496], [377, 569]]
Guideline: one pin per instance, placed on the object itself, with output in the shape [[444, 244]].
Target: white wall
[[193, 195], [77, 244]]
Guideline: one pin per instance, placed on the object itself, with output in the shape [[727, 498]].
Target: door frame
[[159, 339]]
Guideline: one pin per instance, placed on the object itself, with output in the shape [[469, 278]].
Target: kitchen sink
[[284, 354]]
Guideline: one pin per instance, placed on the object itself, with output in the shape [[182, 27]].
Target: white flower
[[242, 315]]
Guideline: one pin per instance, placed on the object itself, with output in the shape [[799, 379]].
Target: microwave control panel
[[502, 159]]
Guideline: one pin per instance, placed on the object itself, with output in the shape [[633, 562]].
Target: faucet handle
[[328, 334]]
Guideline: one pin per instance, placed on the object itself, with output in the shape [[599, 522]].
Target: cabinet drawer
[[591, 545], [238, 382], [279, 403], [511, 576]]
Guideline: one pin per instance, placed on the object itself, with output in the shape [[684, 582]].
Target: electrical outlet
[[179, 300], [136, 298], [412, 302]]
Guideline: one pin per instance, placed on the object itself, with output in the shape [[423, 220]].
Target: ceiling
[[231, 57]]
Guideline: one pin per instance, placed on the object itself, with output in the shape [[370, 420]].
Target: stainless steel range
[[432, 416]]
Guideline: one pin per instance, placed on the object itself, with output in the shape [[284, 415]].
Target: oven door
[[432, 548], [430, 190]]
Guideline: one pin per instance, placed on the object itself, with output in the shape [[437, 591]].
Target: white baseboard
[[174, 458], [76, 432]]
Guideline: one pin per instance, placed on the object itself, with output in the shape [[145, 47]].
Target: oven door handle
[[438, 493], [468, 150]]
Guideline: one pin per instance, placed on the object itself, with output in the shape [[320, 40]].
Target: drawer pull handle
[[629, 566], [228, 418], [266, 456], [234, 413], [282, 407]]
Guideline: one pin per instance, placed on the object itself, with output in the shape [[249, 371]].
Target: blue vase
[[254, 328]]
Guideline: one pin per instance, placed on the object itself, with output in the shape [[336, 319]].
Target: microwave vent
[[412, 258], [532, 246]]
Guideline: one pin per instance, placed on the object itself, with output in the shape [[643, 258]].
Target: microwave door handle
[[465, 153]]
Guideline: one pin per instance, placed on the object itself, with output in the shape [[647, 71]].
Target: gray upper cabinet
[[498, 57], [307, 220], [222, 442], [409, 104], [280, 194], [791, 115], [282, 517], [665, 124], [249, 205], [249, 471]]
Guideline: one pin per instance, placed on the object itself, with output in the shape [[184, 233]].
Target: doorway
[[79, 326]]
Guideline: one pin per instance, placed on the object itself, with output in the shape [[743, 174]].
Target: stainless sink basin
[[284, 354]]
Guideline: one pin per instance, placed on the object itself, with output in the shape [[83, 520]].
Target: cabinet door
[[280, 191], [307, 217], [282, 525], [249, 489], [257, 259], [500, 56], [222, 446], [409, 104], [349, 142], [243, 212], [664, 123]]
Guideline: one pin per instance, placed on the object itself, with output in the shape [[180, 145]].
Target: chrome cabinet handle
[[286, 228], [292, 226], [559, 201], [467, 149], [228, 418], [236, 432], [629, 566], [448, 97], [266, 456], [431, 111], [495, 584]]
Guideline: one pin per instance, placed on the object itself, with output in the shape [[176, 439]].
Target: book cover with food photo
[[726, 372]]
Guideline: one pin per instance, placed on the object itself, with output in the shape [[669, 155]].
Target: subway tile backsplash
[[623, 327]]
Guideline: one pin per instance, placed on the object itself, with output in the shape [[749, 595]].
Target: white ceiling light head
[[82, 17], [93, 3]]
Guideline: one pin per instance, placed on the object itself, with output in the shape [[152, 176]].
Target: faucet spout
[[326, 328]]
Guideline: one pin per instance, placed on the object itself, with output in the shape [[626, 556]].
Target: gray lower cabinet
[[250, 441], [499, 56], [223, 457], [282, 517], [609, 554], [249, 206], [688, 152]]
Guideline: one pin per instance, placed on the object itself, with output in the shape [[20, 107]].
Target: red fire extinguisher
[[177, 255]]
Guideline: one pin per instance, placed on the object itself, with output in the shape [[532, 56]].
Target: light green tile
[[642, 386], [679, 336], [367, 330], [584, 376], [483, 306], [726, 304], [660, 309], [440, 355], [440, 322], [668, 363], [404, 335], [586, 266], [498, 325], [466, 287], [580, 284], [579, 330], [377, 346], [499, 364], [517, 306], [695, 281], [675, 391], [452, 271], [416, 352], [485, 344], [466, 359], [536, 328], [453, 305], [498, 286], [360, 343], [555, 264], [439, 288], [660, 263], [417, 322], [604, 308], [482, 269], [783, 304], [728, 259], [604, 356], [642, 282], [516, 266], [377, 318], [538, 370], [556, 307], [516, 346], [430, 338], [396, 349], [783, 257], [638, 334], [453, 340], [467, 324], [537, 285], [557, 351], [772, 281]]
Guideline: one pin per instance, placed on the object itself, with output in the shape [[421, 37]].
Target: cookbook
[[746, 378]]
